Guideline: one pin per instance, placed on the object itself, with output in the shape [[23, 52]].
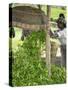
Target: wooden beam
[[48, 46], [28, 26]]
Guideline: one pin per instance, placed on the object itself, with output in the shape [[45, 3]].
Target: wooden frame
[[28, 17]]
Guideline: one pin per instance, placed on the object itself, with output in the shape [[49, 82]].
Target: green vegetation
[[17, 40], [55, 11], [28, 66]]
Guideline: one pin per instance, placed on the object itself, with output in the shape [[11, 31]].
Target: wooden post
[[48, 46]]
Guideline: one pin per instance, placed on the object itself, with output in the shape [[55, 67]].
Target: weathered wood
[[28, 26], [28, 17], [48, 46]]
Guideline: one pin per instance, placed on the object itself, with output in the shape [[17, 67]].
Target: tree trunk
[[48, 46]]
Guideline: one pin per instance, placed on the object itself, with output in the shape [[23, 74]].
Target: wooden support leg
[[22, 37], [48, 54], [48, 46]]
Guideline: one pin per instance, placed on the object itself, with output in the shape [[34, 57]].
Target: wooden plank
[[28, 17], [28, 26]]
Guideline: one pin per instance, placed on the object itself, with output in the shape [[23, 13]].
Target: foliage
[[58, 74], [29, 69], [55, 11]]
